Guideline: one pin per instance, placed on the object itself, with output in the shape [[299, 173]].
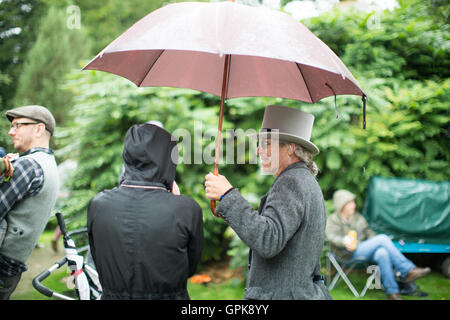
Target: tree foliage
[[108, 19], [56, 51], [18, 24], [401, 62]]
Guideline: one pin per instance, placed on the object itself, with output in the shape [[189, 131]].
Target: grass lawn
[[435, 284], [229, 290]]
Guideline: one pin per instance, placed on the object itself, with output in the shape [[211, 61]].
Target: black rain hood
[[146, 242], [150, 156]]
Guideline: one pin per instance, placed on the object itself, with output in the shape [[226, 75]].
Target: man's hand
[[6, 169], [216, 186], [350, 247], [12, 156]]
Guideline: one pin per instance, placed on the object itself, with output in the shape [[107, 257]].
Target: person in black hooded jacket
[[145, 240]]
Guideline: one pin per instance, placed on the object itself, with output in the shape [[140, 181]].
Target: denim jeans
[[381, 251]]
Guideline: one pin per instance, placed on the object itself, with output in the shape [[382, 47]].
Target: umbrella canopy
[[230, 50], [185, 45]]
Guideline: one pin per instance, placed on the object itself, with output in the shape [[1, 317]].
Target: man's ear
[[40, 129], [291, 149]]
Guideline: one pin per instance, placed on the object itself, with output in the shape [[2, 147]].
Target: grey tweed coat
[[285, 236]]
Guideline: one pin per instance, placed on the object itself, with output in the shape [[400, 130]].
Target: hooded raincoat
[[145, 241]]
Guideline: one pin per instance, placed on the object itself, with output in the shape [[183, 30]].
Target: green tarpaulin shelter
[[409, 210]]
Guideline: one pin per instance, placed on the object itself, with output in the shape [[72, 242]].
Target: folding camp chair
[[349, 266]]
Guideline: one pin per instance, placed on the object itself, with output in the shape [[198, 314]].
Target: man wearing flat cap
[[286, 234], [28, 194]]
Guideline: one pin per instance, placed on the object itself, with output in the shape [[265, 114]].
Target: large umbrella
[[230, 50]]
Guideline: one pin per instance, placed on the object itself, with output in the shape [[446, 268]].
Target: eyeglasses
[[264, 144], [17, 125]]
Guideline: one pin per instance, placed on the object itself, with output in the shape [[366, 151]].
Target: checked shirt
[[27, 180]]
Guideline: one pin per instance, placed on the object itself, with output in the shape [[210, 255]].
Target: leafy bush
[[57, 49]]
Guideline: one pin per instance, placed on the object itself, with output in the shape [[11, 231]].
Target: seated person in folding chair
[[374, 248]]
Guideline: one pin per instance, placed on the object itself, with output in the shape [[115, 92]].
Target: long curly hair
[[305, 156]]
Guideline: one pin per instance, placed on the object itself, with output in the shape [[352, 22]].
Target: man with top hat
[[27, 192], [286, 234]]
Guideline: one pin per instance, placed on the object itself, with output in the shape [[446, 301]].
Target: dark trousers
[[8, 285]]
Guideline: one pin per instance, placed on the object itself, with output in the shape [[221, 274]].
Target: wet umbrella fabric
[[230, 50], [185, 45]]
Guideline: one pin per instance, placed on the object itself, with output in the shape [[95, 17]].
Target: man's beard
[[269, 169]]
